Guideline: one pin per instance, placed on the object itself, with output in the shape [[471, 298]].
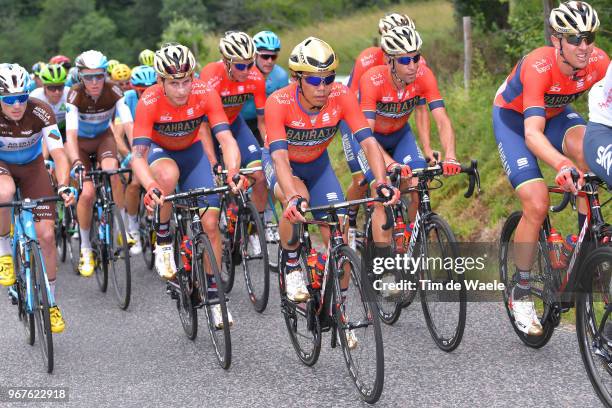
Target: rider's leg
[[7, 193]]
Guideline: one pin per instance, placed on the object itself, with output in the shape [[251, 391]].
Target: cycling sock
[[5, 245], [163, 234], [352, 215], [85, 238], [523, 287], [268, 214], [133, 223], [212, 287], [292, 258], [52, 288]]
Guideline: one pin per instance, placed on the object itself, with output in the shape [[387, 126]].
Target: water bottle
[[312, 260], [555, 241], [399, 235], [407, 235], [569, 244], [186, 253]]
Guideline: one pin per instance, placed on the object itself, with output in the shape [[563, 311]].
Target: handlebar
[[30, 203]]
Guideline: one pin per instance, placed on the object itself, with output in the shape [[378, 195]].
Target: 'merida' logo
[[178, 129], [235, 99], [559, 101], [396, 109], [310, 137]]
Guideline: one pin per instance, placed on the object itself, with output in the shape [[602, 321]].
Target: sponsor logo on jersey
[[310, 137], [42, 114], [166, 117], [543, 65], [190, 112], [178, 129], [240, 88], [233, 100], [298, 123], [325, 117], [26, 132], [555, 88], [55, 134], [559, 101], [396, 109]]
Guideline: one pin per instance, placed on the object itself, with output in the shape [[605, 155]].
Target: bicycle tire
[[20, 286], [41, 306], [295, 319], [188, 314], [446, 340], [147, 236], [370, 394], [258, 288], [60, 232], [119, 257], [223, 347], [74, 249], [100, 252], [594, 348], [505, 277], [228, 269]]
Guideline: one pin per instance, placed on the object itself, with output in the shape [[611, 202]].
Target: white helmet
[[401, 40], [574, 17], [394, 20], [13, 79], [174, 61], [91, 59], [236, 45]]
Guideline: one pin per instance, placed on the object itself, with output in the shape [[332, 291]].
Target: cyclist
[[267, 45], [532, 120], [24, 124], [142, 77], [35, 72], [121, 75], [302, 119], [62, 60], [236, 80], [369, 58], [73, 77], [54, 92], [91, 106], [146, 57], [168, 150], [598, 135], [112, 63]]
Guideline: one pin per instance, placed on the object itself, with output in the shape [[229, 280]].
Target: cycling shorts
[[520, 165], [250, 151], [103, 145], [194, 170], [598, 150], [318, 176]]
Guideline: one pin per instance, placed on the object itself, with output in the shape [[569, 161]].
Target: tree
[[193, 10], [488, 14], [188, 33], [58, 15]]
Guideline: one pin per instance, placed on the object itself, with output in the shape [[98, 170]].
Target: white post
[[467, 46]]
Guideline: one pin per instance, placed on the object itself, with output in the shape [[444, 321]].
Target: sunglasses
[[408, 60], [54, 88], [317, 80], [242, 67], [13, 99], [576, 39], [93, 77], [266, 57]]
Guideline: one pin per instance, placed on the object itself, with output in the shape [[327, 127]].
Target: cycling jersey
[[59, 108], [536, 86], [21, 141], [600, 100], [277, 79], [391, 108], [306, 135], [131, 100], [234, 94], [92, 117], [176, 127], [597, 146]]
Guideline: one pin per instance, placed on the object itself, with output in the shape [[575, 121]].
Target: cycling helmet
[[174, 61], [13, 79], [143, 75], [400, 40], [394, 20], [267, 41], [121, 72], [236, 45], [53, 74], [36, 68], [111, 64], [574, 17], [313, 55], [73, 76], [91, 60], [146, 57], [61, 60]]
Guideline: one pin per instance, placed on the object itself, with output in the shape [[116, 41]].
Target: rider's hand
[[451, 166], [154, 195], [564, 177], [217, 168], [68, 194], [431, 157], [292, 213], [405, 171], [77, 167], [235, 186], [388, 192]]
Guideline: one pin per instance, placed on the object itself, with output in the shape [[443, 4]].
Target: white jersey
[[600, 100], [59, 109]]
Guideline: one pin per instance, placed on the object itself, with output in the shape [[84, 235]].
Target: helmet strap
[[301, 90], [565, 61], [394, 74]]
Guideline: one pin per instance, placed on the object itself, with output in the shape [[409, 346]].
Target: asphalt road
[[140, 357]]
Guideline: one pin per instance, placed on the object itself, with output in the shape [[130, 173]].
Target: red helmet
[[61, 60]]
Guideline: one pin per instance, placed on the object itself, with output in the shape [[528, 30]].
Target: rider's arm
[[231, 152], [261, 126], [207, 142], [445, 129], [539, 145], [122, 147], [125, 115], [140, 146], [72, 132], [260, 102], [423, 126], [219, 126]]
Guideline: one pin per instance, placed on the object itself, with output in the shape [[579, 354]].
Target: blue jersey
[[277, 79], [131, 100]]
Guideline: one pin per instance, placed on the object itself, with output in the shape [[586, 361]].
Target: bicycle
[[431, 237], [328, 307], [244, 242], [196, 259], [585, 284], [108, 237], [31, 292]]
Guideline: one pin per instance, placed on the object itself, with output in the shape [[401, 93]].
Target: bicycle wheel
[[74, 248], [22, 309], [185, 304], [147, 235], [302, 322], [41, 305], [100, 251], [594, 324], [356, 317], [444, 309], [255, 257], [60, 232], [506, 268], [227, 243], [203, 262], [119, 257], [272, 244]]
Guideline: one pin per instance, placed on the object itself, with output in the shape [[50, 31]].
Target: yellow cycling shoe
[[57, 321], [86, 263], [7, 270]]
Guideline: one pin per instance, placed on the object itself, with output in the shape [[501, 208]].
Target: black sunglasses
[[576, 39], [266, 57]]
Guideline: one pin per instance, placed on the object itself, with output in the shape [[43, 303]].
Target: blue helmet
[[143, 75], [267, 40]]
